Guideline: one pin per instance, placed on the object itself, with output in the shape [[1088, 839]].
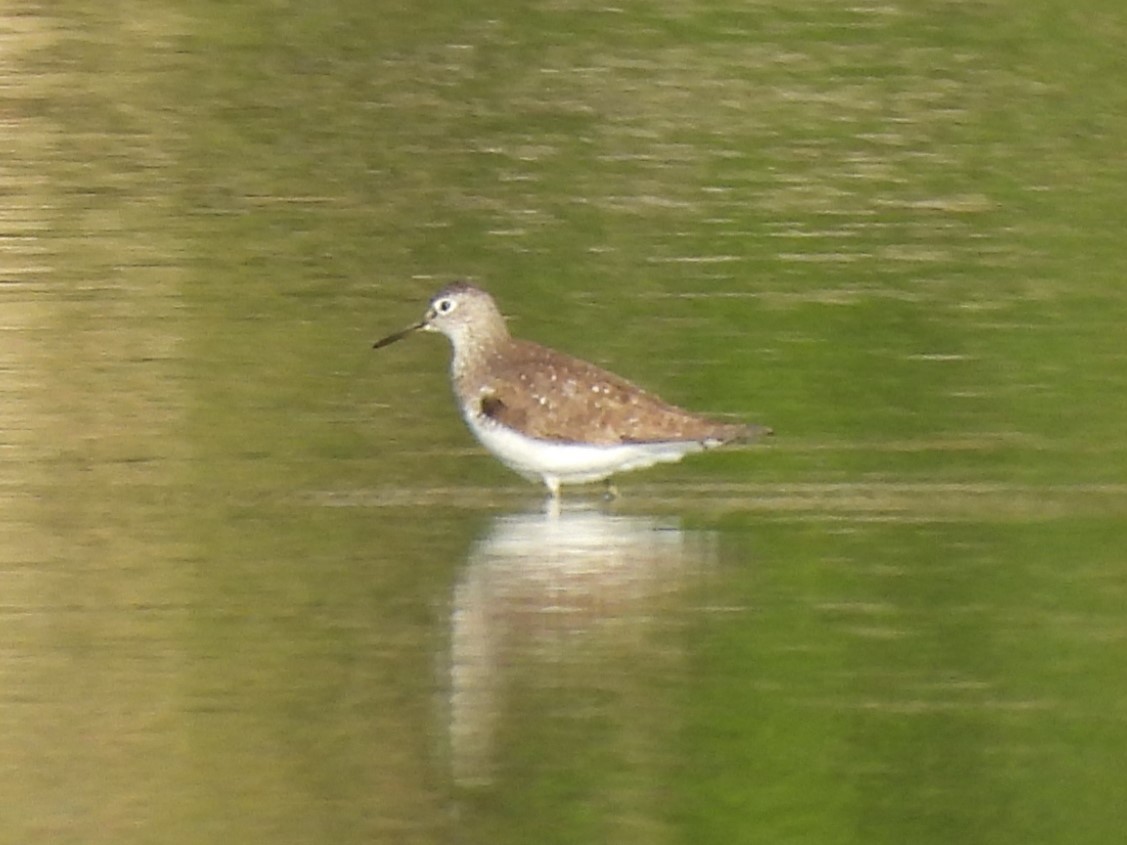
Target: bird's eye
[[444, 306]]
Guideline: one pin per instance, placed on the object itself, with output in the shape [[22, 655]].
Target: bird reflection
[[533, 583]]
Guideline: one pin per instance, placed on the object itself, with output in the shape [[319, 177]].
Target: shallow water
[[258, 583]]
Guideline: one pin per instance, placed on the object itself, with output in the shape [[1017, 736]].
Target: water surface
[[257, 583]]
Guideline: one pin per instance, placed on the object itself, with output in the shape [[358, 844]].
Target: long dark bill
[[391, 338]]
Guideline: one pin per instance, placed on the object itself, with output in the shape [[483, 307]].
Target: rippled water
[[257, 583]]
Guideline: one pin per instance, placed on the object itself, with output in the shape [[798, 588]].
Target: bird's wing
[[552, 396]]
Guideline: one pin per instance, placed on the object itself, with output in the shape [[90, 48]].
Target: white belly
[[572, 463]]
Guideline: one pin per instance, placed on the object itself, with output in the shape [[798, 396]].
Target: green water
[[258, 584]]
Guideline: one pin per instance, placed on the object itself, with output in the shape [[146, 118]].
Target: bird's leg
[[552, 504]]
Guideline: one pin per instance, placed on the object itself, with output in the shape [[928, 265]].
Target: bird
[[552, 417]]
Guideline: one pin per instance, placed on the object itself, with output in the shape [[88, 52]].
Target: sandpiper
[[552, 417]]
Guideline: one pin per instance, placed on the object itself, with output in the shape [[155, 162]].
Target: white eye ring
[[444, 306]]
